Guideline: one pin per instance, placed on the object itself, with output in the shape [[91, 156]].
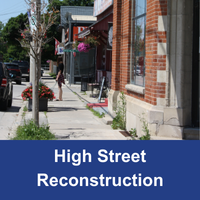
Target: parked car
[[24, 67], [14, 72], [6, 88]]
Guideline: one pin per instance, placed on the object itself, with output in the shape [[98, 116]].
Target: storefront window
[[137, 75]]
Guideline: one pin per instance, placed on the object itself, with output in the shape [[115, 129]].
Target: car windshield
[[12, 66], [21, 63]]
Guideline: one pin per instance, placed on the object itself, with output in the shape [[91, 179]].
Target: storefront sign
[[60, 50], [77, 30], [101, 5], [110, 36]]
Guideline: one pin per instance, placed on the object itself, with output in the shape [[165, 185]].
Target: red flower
[[43, 92]]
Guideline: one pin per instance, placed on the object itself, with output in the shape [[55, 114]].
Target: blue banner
[[158, 170]]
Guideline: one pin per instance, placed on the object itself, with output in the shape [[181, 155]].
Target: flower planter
[[43, 104]]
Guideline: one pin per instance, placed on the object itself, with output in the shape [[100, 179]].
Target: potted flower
[[92, 41], [44, 93]]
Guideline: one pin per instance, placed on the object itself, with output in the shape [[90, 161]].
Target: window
[[137, 72]]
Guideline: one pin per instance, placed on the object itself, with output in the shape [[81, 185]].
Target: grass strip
[[30, 131], [96, 113]]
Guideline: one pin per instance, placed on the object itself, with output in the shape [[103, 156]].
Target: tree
[[9, 34], [1, 28], [34, 38], [2, 43]]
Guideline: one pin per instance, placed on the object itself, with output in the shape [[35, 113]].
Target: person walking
[[60, 77]]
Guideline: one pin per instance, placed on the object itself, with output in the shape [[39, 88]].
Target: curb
[[18, 120]]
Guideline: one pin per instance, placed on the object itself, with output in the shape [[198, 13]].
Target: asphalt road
[[8, 117]]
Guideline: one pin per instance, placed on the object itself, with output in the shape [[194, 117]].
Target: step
[[191, 133], [107, 119]]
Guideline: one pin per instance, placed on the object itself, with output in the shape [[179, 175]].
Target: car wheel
[[4, 105]]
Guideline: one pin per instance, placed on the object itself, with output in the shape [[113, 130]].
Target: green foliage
[[25, 109], [30, 131], [119, 122], [91, 41], [2, 43], [53, 75], [56, 3], [75, 45], [10, 33], [1, 28], [133, 133], [96, 113], [145, 130]]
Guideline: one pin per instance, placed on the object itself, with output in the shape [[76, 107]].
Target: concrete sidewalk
[[69, 119]]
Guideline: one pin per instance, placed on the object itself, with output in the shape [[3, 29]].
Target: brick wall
[[155, 55]]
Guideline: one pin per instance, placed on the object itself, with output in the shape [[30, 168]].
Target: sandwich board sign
[[101, 90]]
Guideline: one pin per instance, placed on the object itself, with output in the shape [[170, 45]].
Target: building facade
[[75, 19], [103, 31], [155, 62]]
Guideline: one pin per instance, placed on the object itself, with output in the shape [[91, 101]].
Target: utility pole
[[36, 65]]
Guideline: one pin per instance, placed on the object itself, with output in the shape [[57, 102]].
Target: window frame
[[132, 57]]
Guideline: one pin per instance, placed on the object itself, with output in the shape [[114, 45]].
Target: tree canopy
[[9, 34]]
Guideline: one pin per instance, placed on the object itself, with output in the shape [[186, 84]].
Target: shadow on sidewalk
[[59, 109], [13, 109]]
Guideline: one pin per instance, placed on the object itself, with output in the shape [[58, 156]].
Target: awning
[[100, 25]]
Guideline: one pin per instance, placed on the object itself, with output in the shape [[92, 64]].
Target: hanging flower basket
[[82, 47]]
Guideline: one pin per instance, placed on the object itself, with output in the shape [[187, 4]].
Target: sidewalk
[[70, 120]]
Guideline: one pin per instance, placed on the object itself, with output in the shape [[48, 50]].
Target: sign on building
[[60, 50], [100, 6], [77, 30]]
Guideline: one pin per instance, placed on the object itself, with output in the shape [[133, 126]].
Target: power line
[[13, 6], [13, 12]]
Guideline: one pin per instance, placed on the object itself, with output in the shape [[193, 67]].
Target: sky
[[11, 8]]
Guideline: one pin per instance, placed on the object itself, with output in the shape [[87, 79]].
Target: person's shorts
[[61, 80]]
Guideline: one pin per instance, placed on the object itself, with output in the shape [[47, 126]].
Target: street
[[8, 117]]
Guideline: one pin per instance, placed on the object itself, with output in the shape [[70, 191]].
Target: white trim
[[84, 18], [135, 88]]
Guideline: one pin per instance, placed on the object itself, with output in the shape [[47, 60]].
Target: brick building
[[155, 62]]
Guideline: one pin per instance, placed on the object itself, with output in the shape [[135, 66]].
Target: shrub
[[30, 131], [53, 75]]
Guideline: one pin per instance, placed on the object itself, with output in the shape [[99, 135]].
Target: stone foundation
[[162, 121]]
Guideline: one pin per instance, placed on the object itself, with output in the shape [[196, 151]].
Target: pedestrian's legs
[[60, 93]]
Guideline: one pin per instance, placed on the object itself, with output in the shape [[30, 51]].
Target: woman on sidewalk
[[60, 77]]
